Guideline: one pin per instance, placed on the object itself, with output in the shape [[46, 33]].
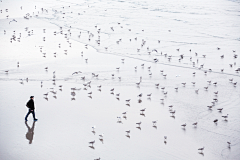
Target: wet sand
[[64, 128]]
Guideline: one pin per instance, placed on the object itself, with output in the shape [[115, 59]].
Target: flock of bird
[[67, 35]]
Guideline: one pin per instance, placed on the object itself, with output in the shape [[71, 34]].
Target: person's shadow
[[29, 134]]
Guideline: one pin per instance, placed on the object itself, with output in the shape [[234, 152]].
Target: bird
[[140, 95], [215, 121], [154, 122], [173, 112], [139, 123], [93, 127], [209, 107], [112, 90], [184, 125], [195, 124], [142, 110], [229, 143], [225, 117], [75, 73], [201, 149], [128, 132], [128, 100], [92, 142], [119, 118], [124, 113], [157, 85], [12, 21], [149, 95], [220, 109], [101, 136]]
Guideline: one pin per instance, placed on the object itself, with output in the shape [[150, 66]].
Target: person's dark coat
[[30, 104]]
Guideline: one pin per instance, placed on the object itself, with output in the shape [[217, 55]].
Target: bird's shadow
[[154, 126], [139, 101], [125, 117], [94, 132], [118, 98], [46, 98], [128, 136], [99, 90], [201, 153], [138, 128], [101, 139], [173, 117], [72, 99], [119, 122], [90, 97], [165, 142], [142, 114], [128, 105], [91, 147]]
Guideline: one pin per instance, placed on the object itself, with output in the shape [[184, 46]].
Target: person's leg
[[33, 112], [29, 111]]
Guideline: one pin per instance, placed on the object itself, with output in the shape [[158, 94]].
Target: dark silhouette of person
[[30, 133], [30, 105]]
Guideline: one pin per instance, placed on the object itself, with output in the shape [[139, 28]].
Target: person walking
[[30, 105]]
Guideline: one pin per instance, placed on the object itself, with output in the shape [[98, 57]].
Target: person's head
[[31, 97]]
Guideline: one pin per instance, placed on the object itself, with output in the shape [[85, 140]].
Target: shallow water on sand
[[66, 116]]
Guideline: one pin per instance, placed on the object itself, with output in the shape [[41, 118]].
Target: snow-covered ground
[[184, 37]]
